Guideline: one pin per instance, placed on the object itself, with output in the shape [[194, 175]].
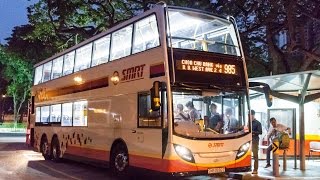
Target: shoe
[[268, 165], [254, 172]]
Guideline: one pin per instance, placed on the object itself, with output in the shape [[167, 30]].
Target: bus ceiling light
[[184, 153], [243, 150]]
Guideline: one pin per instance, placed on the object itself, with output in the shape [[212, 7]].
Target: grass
[[12, 127]]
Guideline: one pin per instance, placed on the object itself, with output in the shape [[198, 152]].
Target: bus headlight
[[184, 153], [243, 150]]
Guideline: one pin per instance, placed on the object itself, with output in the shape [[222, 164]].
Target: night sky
[[12, 13]]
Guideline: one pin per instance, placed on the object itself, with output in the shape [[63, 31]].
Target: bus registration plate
[[216, 170]]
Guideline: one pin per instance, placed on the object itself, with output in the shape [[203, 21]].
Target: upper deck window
[[83, 57], [202, 32], [121, 43], [46, 71], [101, 51], [146, 34], [38, 75], [57, 67], [68, 63]]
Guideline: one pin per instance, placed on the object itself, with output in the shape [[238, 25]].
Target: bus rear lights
[[184, 153], [243, 150]]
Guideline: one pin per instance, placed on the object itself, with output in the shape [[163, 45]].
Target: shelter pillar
[[302, 138]]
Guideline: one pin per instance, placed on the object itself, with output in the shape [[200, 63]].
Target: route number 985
[[229, 69]]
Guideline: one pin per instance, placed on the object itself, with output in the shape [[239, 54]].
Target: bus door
[[151, 134]]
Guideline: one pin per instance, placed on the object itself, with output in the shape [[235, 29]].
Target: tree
[[64, 23], [30, 49], [18, 73], [263, 24]]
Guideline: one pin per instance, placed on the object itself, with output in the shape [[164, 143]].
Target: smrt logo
[[215, 145], [133, 73]]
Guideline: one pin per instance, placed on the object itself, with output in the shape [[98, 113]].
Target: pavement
[[312, 170]]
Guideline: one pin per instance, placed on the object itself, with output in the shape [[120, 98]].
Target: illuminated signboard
[[205, 66], [206, 69]]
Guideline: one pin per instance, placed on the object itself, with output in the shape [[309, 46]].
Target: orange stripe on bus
[[88, 153], [158, 164]]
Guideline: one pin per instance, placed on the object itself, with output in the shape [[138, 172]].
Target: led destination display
[[205, 66]]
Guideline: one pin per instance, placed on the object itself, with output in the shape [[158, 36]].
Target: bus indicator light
[[115, 78], [203, 66], [78, 80]]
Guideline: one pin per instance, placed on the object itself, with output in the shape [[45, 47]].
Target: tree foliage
[[18, 74], [31, 49], [263, 23], [59, 24], [64, 23]]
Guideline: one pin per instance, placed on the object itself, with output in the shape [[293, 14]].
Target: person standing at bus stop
[[256, 131]]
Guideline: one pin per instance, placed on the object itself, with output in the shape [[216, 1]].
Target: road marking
[[57, 171]]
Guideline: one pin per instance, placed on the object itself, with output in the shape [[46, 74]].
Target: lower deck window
[[80, 113], [68, 114]]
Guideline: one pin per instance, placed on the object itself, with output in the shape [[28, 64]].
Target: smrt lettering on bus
[[133, 73]]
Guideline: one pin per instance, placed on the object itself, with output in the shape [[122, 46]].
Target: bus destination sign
[[205, 66]]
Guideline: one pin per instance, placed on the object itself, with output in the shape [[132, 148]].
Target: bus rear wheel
[[55, 150], [120, 160], [45, 149]]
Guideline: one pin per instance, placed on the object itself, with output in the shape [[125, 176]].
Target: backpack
[[284, 140]]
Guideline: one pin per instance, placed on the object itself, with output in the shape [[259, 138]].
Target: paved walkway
[[312, 170]]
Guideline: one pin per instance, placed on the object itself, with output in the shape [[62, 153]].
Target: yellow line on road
[[57, 171]]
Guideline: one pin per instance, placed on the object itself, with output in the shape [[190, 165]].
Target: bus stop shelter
[[299, 88]]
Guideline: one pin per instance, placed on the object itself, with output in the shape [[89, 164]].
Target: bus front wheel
[[45, 149], [119, 159], [55, 150]]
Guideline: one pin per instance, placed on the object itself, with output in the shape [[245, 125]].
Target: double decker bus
[[141, 95]]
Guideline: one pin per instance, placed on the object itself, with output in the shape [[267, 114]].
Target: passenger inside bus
[[193, 112], [180, 115], [231, 124], [215, 121]]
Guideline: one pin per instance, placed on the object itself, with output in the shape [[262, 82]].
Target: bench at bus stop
[[314, 147]]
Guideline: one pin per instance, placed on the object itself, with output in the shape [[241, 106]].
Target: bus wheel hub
[[121, 161]]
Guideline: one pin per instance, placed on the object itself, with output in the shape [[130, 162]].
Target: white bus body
[[98, 109]]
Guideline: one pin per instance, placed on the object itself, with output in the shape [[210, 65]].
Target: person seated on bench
[[273, 133]]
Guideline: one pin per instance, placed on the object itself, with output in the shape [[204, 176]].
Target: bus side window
[[147, 117]]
